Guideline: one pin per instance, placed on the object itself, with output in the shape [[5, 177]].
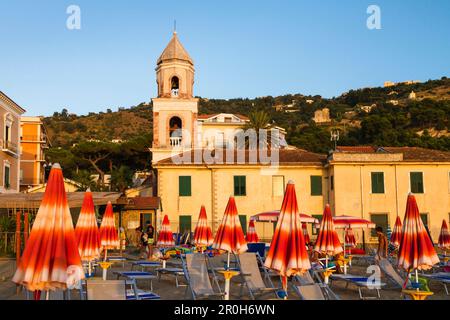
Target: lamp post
[[334, 137]]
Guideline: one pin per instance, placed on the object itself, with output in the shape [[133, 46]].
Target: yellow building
[[33, 142], [367, 182], [10, 113]]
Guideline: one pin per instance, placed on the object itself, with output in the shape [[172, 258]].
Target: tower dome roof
[[175, 51]]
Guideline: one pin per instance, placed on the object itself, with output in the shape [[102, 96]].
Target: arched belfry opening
[[175, 130], [175, 86]]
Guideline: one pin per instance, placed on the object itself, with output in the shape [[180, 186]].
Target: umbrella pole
[[284, 285], [105, 269], [417, 279], [89, 268], [227, 279]]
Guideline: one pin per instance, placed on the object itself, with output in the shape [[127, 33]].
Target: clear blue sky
[[241, 48]]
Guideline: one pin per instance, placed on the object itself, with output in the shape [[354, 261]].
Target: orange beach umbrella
[[51, 259], [252, 236], [396, 233], [287, 253], [305, 233], [165, 238], [416, 251], [327, 240], [86, 231], [444, 236], [202, 234], [109, 238]]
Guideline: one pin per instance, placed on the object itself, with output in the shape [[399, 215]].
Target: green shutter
[[424, 218], [7, 182], [240, 188], [243, 220], [185, 223], [316, 185], [416, 182], [377, 182], [184, 186]]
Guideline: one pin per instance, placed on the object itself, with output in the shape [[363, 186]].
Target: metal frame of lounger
[[136, 275], [118, 259], [251, 276], [213, 268], [145, 264], [356, 280], [198, 274], [268, 274], [171, 271], [442, 277]]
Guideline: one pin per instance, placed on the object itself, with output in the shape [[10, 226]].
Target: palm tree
[[259, 120]]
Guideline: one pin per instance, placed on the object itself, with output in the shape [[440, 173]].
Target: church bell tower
[[175, 109]]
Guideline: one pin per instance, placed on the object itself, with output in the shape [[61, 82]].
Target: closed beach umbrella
[[109, 238], [416, 251], [396, 233], [202, 234], [51, 259], [165, 238], [305, 233], [86, 231], [287, 253], [350, 239], [327, 240], [230, 237], [444, 237], [252, 236]]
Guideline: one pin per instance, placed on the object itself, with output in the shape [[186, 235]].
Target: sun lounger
[[442, 277], [145, 264], [308, 288], [392, 274], [123, 260], [251, 275], [137, 275], [196, 273], [361, 282], [218, 262], [114, 290]]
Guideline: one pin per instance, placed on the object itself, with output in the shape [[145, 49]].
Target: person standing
[[150, 231], [382, 244]]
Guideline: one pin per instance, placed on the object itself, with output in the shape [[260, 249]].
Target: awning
[[272, 216], [33, 200]]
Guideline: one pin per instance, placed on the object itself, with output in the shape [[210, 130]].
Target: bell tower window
[[175, 86], [176, 134]]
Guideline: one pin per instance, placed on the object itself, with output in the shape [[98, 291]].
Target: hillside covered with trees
[[118, 142]]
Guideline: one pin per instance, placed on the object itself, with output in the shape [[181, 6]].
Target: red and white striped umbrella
[[202, 234], [230, 236], [272, 216], [416, 250], [397, 232], [165, 238], [51, 259], [109, 238], [287, 253], [343, 222], [327, 240], [86, 231], [444, 236], [305, 233], [252, 236], [350, 239]]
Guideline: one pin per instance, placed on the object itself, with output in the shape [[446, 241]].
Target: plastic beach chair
[[251, 275], [306, 292], [196, 273]]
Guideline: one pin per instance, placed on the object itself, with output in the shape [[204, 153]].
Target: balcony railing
[[34, 138], [176, 142], [9, 146]]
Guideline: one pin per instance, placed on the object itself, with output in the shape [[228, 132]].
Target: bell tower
[[175, 109]]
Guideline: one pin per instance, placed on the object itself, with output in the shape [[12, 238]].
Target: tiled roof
[[208, 116], [286, 157], [409, 153], [175, 50], [420, 154], [143, 203]]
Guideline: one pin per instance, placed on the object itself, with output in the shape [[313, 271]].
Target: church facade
[[368, 182]]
